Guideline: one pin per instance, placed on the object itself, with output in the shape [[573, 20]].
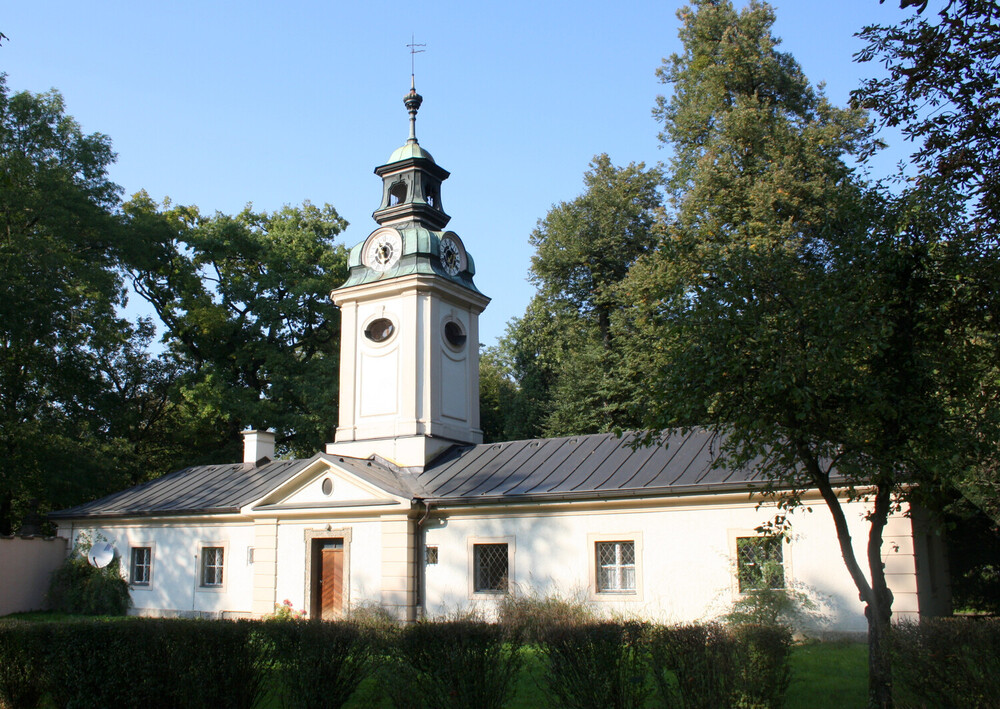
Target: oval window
[[380, 330], [327, 486], [454, 333]]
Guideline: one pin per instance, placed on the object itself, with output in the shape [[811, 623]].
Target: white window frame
[[213, 588], [630, 595], [786, 559], [472, 543], [131, 565]]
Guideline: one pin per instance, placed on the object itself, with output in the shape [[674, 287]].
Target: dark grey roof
[[594, 466], [219, 489], [198, 489], [599, 465]]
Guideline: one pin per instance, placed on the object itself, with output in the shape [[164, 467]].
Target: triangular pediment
[[332, 483]]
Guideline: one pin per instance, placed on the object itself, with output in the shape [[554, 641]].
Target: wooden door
[[331, 579]]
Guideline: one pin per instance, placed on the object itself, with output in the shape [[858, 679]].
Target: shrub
[[707, 666], [692, 665], [455, 664], [79, 588], [320, 664], [22, 663], [531, 616], [947, 662], [597, 664]]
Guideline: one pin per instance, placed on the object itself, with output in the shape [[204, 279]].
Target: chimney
[[257, 445]]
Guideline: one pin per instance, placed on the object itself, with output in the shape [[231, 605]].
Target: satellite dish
[[101, 554]]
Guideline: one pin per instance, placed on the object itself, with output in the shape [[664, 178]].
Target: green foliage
[[941, 88], [600, 664], [78, 587], [948, 663], [244, 300], [457, 664], [61, 284], [711, 666], [561, 354], [22, 666], [320, 664]]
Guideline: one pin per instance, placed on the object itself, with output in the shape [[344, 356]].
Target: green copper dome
[[412, 149]]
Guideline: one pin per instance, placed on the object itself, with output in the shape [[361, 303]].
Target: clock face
[[451, 256], [384, 250]]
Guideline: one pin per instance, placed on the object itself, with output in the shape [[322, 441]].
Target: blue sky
[[223, 103]]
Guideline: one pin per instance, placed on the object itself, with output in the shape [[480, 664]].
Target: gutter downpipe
[[418, 562]]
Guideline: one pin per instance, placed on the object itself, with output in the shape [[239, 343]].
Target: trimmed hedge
[[320, 664], [947, 662], [135, 663], [597, 665], [707, 666], [453, 664]]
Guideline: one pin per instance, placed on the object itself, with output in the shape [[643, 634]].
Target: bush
[[597, 664], [320, 664], [79, 588], [530, 617], [947, 662], [707, 666], [457, 664], [138, 663], [22, 663]]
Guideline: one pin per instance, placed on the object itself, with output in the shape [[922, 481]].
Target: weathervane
[[413, 53]]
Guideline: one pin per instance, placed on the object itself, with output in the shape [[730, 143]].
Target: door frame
[[313, 542]]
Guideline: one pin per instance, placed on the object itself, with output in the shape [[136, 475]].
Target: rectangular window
[[615, 567], [211, 566], [490, 567], [759, 563], [141, 566]]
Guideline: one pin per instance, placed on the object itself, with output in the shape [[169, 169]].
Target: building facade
[[409, 510]]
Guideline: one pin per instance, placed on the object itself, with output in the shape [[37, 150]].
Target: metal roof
[[594, 466], [196, 490], [597, 466]]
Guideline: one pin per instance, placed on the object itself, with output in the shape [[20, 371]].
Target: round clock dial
[[384, 250], [451, 256]]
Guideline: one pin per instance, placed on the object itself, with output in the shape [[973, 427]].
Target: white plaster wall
[[365, 570], [686, 558], [175, 580]]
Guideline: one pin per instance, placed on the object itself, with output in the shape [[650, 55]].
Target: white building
[[409, 510]]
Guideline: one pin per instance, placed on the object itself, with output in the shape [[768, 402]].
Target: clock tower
[[409, 352]]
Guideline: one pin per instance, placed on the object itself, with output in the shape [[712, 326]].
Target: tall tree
[[562, 352], [245, 303], [941, 89], [818, 325], [62, 285]]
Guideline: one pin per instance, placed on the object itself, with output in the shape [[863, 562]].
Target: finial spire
[[413, 100]]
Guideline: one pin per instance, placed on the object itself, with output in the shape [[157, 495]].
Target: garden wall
[[25, 566]]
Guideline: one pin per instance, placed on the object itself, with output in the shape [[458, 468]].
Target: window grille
[[211, 566], [491, 569], [759, 563], [615, 566], [142, 558]]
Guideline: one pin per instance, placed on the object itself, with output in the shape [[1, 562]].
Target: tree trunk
[[880, 653]]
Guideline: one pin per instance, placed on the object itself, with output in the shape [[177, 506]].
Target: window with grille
[[759, 563], [490, 567], [615, 566], [211, 566], [141, 565]]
